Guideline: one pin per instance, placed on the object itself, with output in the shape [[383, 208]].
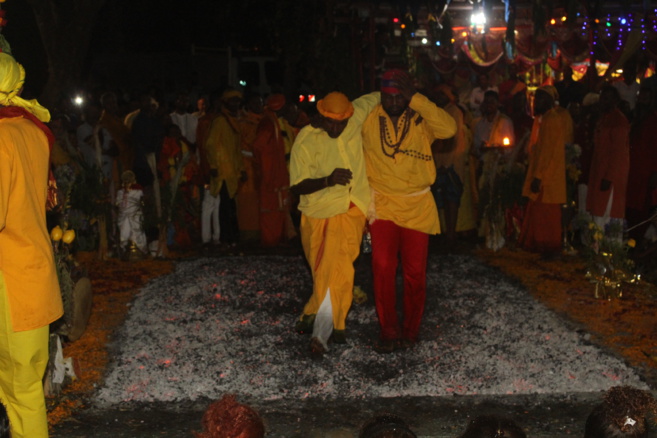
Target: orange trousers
[[541, 227], [331, 247]]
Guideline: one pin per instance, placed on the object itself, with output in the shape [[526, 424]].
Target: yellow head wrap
[[12, 77], [229, 94], [549, 89], [335, 106]]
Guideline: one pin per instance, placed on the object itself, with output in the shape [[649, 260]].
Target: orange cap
[[335, 106]]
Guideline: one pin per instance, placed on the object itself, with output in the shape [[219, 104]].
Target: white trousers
[[130, 228], [210, 218]]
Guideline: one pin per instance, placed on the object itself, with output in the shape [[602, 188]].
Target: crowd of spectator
[[209, 166], [175, 173]]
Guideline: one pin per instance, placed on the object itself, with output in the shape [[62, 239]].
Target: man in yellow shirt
[[223, 146], [29, 290], [397, 138], [327, 171]]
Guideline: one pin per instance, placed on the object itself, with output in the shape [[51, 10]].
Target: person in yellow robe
[[223, 148], [397, 138], [30, 298], [545, 182], [327, 171]]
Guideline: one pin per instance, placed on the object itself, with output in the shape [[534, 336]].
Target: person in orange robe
[[30, 297], [545, 182], [248, 204], [610, 165], [273, 176], [642, 180]]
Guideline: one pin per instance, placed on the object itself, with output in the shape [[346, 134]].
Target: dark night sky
[[148, 26], [145, 26]]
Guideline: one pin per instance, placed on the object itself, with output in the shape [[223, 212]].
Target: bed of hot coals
[[226, 325]]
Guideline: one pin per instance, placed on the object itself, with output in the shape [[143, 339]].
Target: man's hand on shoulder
[[405, 84]]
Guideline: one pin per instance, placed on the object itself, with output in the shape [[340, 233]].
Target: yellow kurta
[[331, 231], [401, 183], [547, 156], [26, 256], [316, 155], [223, 147]]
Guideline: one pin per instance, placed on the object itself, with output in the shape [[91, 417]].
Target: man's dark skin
[[543, 102], [393, 104], [339, 176]]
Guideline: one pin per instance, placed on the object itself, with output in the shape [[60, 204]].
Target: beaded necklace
[[387, 143]]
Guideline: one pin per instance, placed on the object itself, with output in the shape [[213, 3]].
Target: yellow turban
[[335, 106], [549, 89], [229, 94], [12, 77]]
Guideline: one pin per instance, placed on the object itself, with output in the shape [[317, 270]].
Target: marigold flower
[[56, 233], [69, 236], [631, 243]]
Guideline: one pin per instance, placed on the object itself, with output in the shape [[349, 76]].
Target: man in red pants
[[397, 137]]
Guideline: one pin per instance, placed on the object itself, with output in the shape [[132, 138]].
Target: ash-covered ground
[[226, 325]]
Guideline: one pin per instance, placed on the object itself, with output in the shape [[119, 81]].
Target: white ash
[[226, 325]]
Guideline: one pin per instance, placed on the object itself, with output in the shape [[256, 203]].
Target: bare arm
[[312, 185]]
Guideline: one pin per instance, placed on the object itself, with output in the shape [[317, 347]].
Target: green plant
[[609, 265]]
